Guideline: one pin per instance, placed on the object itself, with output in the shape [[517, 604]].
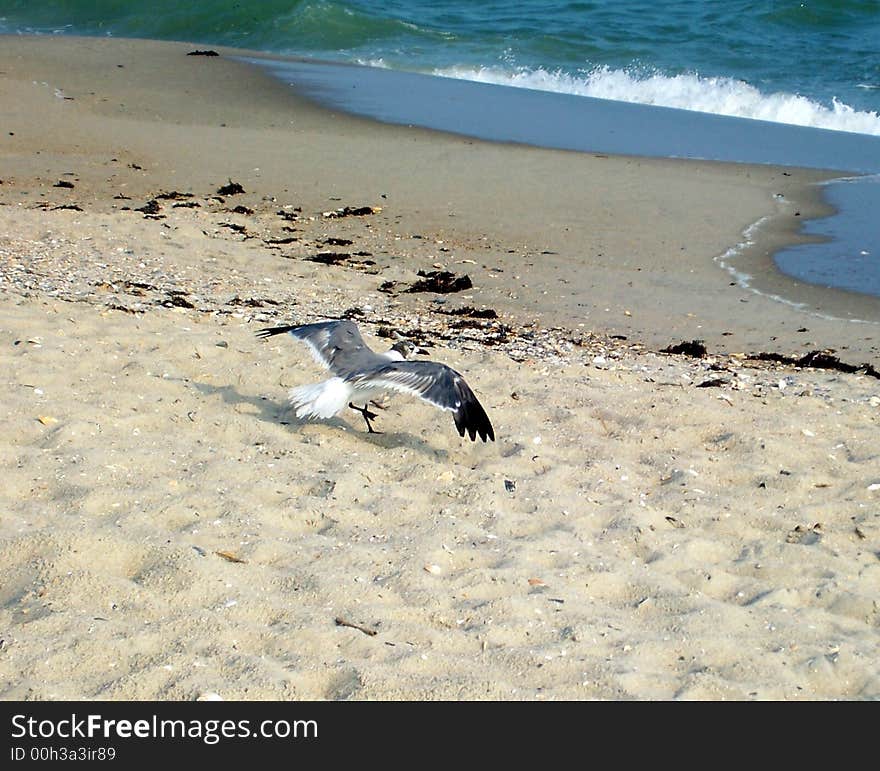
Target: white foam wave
[[722, 96]]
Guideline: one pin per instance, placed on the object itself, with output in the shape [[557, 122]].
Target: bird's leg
[[377, 405], [367, 415]]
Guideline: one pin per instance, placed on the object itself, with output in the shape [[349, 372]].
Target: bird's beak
[[421, 352]]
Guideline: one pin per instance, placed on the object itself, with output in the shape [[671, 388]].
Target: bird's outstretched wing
[[326, 340], [436, 384]]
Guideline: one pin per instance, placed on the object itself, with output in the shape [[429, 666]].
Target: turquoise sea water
[[815, 62], [733, 65]]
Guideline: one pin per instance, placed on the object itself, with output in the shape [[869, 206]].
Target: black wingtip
[[268, 332], [472, 418]]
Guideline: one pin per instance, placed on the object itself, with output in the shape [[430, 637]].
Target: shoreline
[[532, 118], [550, 249]]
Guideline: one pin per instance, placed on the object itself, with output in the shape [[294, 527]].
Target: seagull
[[361, 375]]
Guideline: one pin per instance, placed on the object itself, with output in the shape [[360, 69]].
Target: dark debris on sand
[[330, 258], [231, 188], [695, 349], [150, 207], [173, 195], [817, 360], [441, 282], [469, 311], [353, 211]]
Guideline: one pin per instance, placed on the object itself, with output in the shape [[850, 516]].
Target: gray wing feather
[[327, 340], [439, 385]]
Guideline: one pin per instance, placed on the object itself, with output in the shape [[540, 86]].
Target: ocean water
[[811, 63], [766, 81]]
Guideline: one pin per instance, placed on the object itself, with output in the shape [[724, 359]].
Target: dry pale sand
[[168, 530]]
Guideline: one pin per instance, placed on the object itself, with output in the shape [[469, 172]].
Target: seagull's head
[[404, 349]]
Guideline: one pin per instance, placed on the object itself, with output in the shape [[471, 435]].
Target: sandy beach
[[646, 526]]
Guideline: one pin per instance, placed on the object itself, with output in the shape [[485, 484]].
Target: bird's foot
[[367, 417]]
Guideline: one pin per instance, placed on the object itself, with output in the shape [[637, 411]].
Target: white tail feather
[[320, 400]]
